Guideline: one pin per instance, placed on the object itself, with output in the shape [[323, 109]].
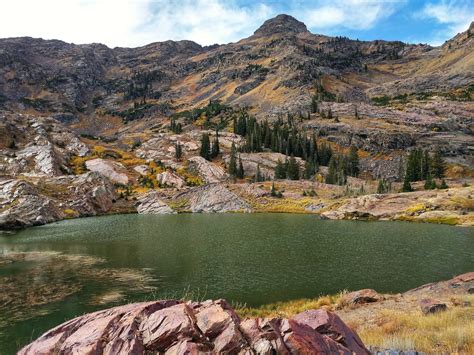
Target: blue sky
[[131, 23]]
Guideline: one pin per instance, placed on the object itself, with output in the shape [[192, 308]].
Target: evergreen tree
[[205, 151], [341, 171], [382, 187], [406, 185], [353, 161], [443, 185], [240, 170], [273, 191], [309, 169], [258, 175], [414, 169], [329, 114], [232, 168], [178, 151], [332, 171], [430, 184], [325, 154], [438, 165], [175, 127], [293, 169], [234, 125], [314, 104], [215, 146], [280, 170], [425, 165]]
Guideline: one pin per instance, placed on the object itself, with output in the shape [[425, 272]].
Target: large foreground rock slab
[[212, 327]]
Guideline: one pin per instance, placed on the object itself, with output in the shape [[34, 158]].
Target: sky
[[133, 23]]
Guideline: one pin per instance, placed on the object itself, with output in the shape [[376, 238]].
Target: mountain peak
[[281, 24]]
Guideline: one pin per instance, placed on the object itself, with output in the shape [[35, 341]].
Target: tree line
[[423, 166]]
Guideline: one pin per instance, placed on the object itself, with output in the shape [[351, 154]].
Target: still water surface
[[52, 273]]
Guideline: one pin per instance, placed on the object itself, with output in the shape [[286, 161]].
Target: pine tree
[[258, 175], [438, 165], [273, 191], [329, 114], [325, 154], [240, 170], [430, 184], [309, 169], [293, 169], [205, 151], [234, 125], [178, 152], [412, 168], [314, 104], [175, 126], [382, 187], [353, 161], [425, 165], [341, 171], [332, 171], [215, 146], [443, 185], [232, 168], [280, 170], [406, 185]]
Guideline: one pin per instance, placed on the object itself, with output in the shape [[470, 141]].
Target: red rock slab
[[329, 324]]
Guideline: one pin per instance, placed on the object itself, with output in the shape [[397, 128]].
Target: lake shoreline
[[366, 320], [25, 204]]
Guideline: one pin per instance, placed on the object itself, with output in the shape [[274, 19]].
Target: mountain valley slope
[[66, 109]]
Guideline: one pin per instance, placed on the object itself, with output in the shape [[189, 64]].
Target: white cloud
[[130, 22], [350, 14], [456, 15]]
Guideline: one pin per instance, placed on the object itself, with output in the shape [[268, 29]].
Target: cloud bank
[[132, 23]]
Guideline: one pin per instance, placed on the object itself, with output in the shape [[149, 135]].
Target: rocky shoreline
[[210, 327], [43, 200], [186, 327]]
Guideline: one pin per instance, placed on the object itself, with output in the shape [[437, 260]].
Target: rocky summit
[[177, 127], [210, 327]]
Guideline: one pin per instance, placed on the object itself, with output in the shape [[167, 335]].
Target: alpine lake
[[52, 273]]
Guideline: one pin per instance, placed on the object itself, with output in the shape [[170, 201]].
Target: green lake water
[[53, 273]]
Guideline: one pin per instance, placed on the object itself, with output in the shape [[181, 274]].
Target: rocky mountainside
[[114, 118], [273, 70]]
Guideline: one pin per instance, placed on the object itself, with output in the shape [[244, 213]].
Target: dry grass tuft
[[290, 308], [445, 332]]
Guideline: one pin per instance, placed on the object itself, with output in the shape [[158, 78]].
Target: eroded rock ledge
[[176, 327]]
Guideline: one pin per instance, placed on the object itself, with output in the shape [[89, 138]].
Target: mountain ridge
[[70, 114]]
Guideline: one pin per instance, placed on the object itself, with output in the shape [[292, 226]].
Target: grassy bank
[[403, 328]]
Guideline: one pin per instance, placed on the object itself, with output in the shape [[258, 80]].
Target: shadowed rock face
[[175, 327]]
